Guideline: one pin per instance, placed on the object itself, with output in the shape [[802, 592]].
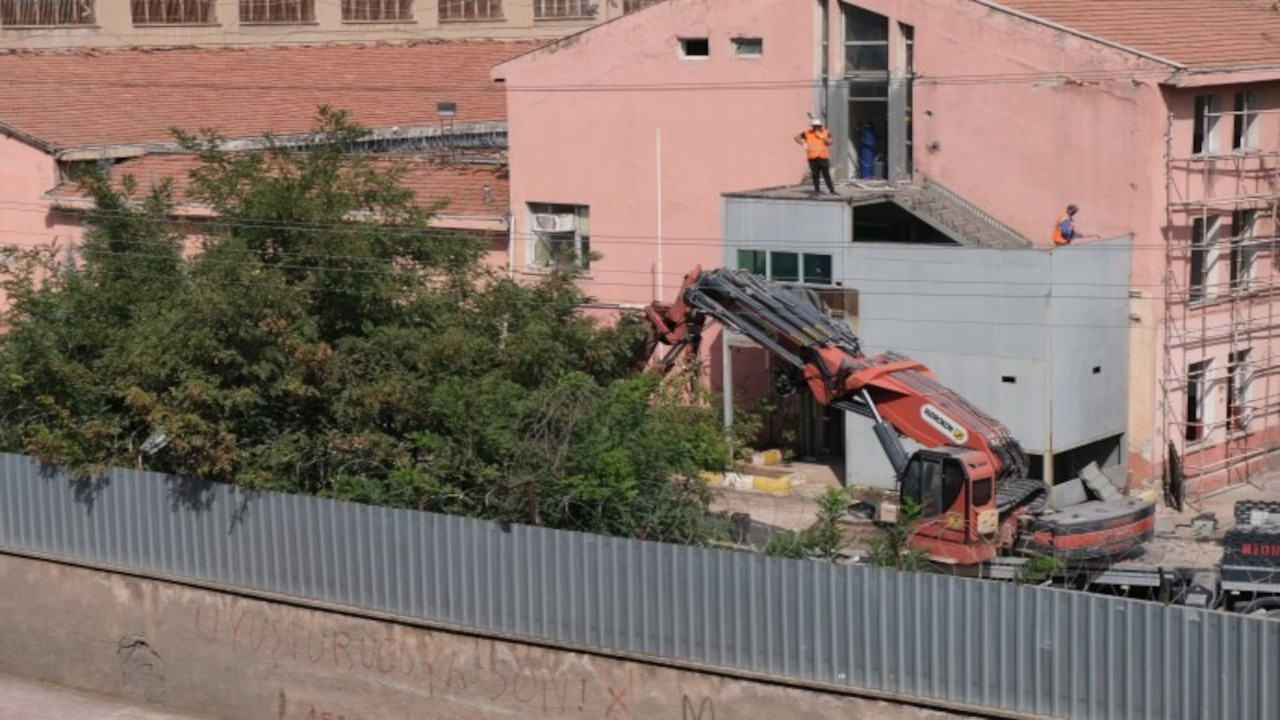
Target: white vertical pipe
[[661, 291]]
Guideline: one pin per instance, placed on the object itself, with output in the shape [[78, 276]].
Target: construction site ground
[[1180, 542]]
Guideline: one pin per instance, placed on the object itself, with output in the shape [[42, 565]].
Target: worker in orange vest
[[1064, 231], [817, 147]]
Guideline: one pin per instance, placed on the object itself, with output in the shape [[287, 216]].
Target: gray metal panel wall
[[973, 316], [792, 225], [1024, 649], [1089, 318]]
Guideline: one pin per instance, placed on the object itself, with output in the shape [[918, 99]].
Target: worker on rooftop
[[817, 147], [1064, 230]]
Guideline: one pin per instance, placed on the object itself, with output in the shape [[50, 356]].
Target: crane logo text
[[944, 424]]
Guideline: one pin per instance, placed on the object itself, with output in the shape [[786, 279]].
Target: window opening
[[630, 6], [1243, 251], [377, 10], [1239, 377], [564, 9], [454, 10], [277, 11], [46, 12], [170, 12], [1204, 236], [561, 236], [695, 47], [866, 41], [755, 262], [1244, 120], [1197, 395], [748, 46], [1204, 138]]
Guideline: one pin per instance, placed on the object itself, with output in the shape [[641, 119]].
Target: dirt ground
[[1180, 548]]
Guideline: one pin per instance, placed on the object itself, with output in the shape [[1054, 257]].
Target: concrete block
[[766, 457], [1069, 493], [1164, 525], [1119, 476], [1097, 484], [1203, 526], [887, 512]]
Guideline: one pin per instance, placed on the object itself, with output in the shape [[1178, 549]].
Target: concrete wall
[[585, 115], [239, 658], [115, 27]]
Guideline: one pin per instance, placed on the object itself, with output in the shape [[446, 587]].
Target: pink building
[[957, 123], [430, 106]]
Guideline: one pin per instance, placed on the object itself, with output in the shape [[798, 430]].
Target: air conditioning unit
[[555, 222]]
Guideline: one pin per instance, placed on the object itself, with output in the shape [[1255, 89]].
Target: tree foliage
[[822, 540], [324, 339]]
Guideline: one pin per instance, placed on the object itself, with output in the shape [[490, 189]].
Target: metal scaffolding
[[1221, 285]]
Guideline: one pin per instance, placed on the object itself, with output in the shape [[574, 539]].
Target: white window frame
[[543, 244], [1239, 379], [1199, 387], [1210, 234], [1244, 112], [1243, 252], [564, 9], [1209, 123]]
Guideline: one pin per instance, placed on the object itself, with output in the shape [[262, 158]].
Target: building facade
[[1014, 109], [63, 24]]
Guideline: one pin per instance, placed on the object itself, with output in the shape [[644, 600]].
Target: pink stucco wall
[[26, 174], [585, 115]]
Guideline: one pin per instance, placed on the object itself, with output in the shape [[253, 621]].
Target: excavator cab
[[954, 487]]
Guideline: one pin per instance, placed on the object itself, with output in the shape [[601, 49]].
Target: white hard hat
[[815, 121]]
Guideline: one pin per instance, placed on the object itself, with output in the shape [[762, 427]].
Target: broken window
[[1244, 134], [1239, 377], [1243, 249], [695, 47], [1197, 400], [561, 236], [46, 12], [1204, 239], [453, 10], [555, 9], [173, 12], [377, 10], [866, 41], [1204, 134], [277, 11], [630, 6]]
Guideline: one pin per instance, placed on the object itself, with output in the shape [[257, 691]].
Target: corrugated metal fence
[[1023, 649]]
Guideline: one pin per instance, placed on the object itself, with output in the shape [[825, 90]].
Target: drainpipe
[[511, 246]]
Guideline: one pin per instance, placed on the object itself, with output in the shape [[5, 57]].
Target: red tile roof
[[93, 97], [1196, 33], [461, 185]]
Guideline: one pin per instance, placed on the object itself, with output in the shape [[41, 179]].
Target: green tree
[[326, 340], [822, 540]]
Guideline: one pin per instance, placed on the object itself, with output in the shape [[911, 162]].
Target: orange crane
[[969, 480]]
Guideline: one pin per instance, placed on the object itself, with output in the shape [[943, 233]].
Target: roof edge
[[1224, 75], [27, 138], [1080, 34]]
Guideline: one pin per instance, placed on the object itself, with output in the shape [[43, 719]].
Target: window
[[630, 6], [554, 9], [173, 12], [748, 47], [1244, 133], [695, 47], [1204, 240], [377, 10], [755, 262], [866, 41], [1197, 400], [277, 11], [1204, 135], [1239, 377], [784, 266], [561, 236], [817, 269], [46, 12], [1242, 249], [451, 10]]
